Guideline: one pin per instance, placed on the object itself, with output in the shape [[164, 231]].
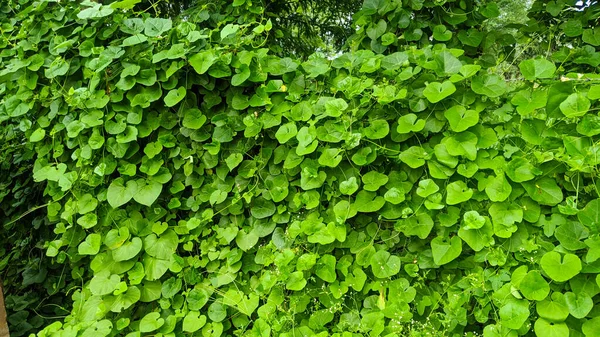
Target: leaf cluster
[[192, 182]]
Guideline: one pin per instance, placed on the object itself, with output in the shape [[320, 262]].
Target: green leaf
[[572, 28], [575, 105], [553, 309], [156, 26], [86, 204], [119, 194], [394, 60], [104, 283], [217, 312], [534, 287], [163, 246], [475, 234], [458, 192], [490, 85], [447, 64], [325, 268], [377, 129], [590, 214], [589, 125], [95, 12], [395, 195], [537, 68], [506, 214], [528, 101], [570, 234], [591, 36], [472, 220], [445, 251], [560, 268], [460, 118], [262, 208], [234, 160], [543, 327], [410, 123], [414, 157], [88, 221], [125, 5], [498, 188], [367, 202], [133, 40], [37, 135], [419, 225], [202, 61], [197, 298], [462, 144], [229, 29], [373, 180], [349, 186], [514, 313], [286, 132], [471, 37], [427, 187], [193, 119], [594, 92], [128, 250], [435, 91], [58, 67], [147, 192], [440, 33], [331, 157], [335, 107], [193, 321], [591, 327], [245, 304], [544, 190], [579, 304], [520, 169], [91, 245], [246, 240], [385, 265], [296, 281], [217, 197], [151, 322], [175, 96]]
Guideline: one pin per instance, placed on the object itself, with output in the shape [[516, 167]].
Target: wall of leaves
[[173, 177]]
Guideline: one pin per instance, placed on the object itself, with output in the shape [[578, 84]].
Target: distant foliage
[[185, 174]]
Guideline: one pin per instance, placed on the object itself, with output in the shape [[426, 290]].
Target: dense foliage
[[171, 175]]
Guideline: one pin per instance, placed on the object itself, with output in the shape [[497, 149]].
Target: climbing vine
[[170, 176]]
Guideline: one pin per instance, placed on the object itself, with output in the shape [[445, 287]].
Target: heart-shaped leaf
[[534, 286], [579, 304], [91, 245], [147, 192], [576, 105], [175, 96], [119, 193], [436, 91], [385, 265], [445, 251], [460, 118], [560, 268], [537, 68], [490, 85]]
